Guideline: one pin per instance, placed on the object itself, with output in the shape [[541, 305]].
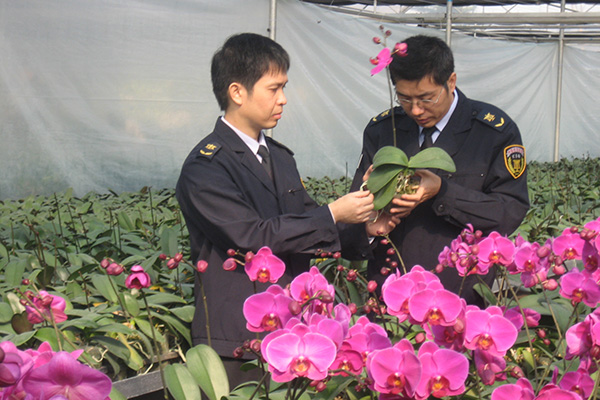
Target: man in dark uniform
[[239, 189], [489, 187]]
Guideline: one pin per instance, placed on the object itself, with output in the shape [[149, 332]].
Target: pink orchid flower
[[568, 245], [138, 278], [557, 394], [522, 390], [577, 287], [435, 307], [265, 267], [365, 337], [394, 371], [579, 382], [514, 315], [10, 367], [590, 257], [309, 285], [398, 289], [48, 305], [291, 355], [489, 367], [495, 249], [532, 267], [384, 59], [443, 372], [584, 336], [489, 332], [347, 361], [67, 377], [267, 311]]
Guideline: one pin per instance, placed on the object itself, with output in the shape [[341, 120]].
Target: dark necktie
[[263, 152], [428, 141]]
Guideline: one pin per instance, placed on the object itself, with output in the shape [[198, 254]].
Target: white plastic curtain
[[113, 94]]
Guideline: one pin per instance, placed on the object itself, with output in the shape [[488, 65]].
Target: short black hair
[[245, 58], [426, 56]]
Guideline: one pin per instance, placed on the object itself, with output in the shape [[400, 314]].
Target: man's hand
[[428, 188], [381, 224], [353, 208]]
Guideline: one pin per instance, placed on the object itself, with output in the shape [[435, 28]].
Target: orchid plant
[[393, 173]]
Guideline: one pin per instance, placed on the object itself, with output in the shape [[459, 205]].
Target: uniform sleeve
[[354, 240], [221, 209], [500, 206]]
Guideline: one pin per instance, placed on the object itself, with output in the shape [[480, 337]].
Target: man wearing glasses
[[488, 189]]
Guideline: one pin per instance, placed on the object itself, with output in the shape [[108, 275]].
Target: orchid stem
[[204, 302], [156, 349], [396, 250]]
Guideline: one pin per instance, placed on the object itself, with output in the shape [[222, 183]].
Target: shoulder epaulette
[[385, 115], [209, 150], [278, 144], [491, 116]]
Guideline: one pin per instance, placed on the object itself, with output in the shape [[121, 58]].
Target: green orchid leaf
[[208, 371], [433, 157], [384, 196], [390, 155], [381, 176], [180, 383]]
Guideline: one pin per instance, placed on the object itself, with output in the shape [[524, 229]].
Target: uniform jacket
[[229, 202], [481, 192]]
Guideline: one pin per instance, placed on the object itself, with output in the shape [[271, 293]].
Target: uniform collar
[[252, 144]]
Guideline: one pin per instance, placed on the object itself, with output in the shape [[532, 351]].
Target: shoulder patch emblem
[[209, 150], [514, 159]]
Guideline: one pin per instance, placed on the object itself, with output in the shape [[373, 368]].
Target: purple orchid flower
[[67, 377], [265, 267]]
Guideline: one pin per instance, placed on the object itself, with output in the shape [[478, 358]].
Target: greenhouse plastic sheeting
[[112, 95]]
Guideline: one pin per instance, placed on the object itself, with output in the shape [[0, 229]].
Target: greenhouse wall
[[112, 95]]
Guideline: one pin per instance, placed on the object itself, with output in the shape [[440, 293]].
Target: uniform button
[[441, 208]]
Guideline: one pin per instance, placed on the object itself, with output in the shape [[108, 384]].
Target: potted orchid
[[393, 172]]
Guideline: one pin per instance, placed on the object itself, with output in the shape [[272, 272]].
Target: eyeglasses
[[421, 103]]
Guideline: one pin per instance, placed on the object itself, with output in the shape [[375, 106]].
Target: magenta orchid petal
[[568, 245], [384, 59], [394, 371], [138, 278], [443, 373], [265, 267], [436, 307], [578, 382], [65, 376], [487, 332], [558, 394], [513, 392], [266, 311]]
